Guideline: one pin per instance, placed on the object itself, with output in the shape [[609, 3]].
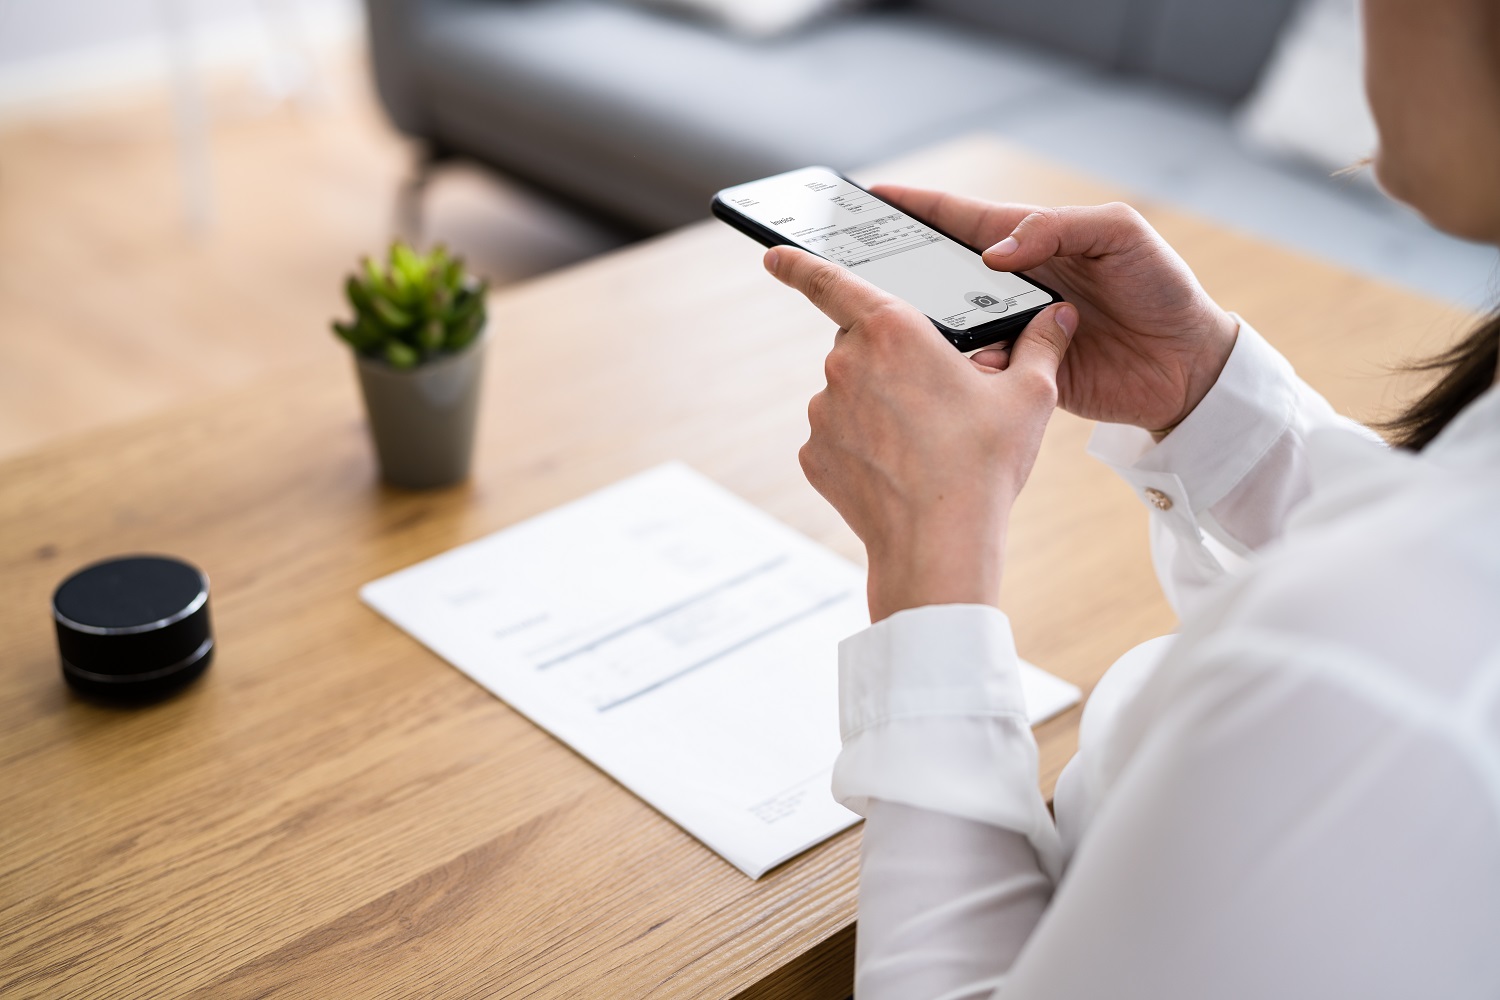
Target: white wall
[[60, 52]]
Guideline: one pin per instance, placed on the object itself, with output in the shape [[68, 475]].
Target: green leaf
[[465, 304], [412, 305], [359, 335], [452, 274], [463, 335], [399, 355], [358, 296], [369, 334], [374, 279], [406, 263], [403, 292], [390, 314]]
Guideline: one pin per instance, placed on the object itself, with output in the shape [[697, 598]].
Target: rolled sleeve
[[1229, 432], [933, 717], [1222, 483]]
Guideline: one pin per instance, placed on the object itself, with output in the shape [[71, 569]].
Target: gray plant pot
[[422, 420]]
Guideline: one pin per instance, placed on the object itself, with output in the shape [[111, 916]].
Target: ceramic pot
[[422, 419]]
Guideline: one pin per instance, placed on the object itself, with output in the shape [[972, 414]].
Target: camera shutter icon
[[989, 303]]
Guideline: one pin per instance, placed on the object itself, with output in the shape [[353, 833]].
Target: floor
[[112, 306]]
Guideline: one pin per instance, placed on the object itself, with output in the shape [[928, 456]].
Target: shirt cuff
[[1217, 445], [933, 717]]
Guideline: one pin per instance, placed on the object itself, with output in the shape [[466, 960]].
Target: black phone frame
[[999, 331]]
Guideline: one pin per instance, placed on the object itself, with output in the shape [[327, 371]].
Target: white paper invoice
[[678, 637]]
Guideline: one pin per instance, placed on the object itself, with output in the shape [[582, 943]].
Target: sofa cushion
[[751, 18], [1095, 30], [1216, 47], [646, 116]]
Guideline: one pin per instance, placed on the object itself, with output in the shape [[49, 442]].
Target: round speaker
[[134, 628]]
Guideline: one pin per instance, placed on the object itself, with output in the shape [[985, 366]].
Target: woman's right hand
[[1150, 341]]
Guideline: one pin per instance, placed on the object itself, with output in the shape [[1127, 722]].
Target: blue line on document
[[748, 640], [664, 612]]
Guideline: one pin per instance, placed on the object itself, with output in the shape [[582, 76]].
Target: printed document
[[678, 637]]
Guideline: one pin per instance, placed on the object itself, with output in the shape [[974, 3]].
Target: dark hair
[[1468, 369]]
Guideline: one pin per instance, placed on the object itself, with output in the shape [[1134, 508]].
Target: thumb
[[1041, 346], [1091, 231]]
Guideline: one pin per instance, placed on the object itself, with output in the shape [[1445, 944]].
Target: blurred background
[[183, 183]]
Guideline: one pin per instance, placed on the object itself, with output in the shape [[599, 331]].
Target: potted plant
[[418, 339]]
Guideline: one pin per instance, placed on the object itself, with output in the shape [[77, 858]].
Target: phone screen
[[818, 210]]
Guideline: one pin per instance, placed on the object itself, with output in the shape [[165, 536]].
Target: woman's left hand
[[920, 449]]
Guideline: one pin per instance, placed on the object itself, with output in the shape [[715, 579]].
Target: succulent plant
[[414, 309]]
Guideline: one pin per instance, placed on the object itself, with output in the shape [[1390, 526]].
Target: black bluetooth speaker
[[134, 628]]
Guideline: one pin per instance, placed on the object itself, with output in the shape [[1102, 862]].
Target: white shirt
[[1298, 795]]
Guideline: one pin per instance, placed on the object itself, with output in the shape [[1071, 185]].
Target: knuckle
[[1125, 216], [823, 281], [811, 468], [886, 318], [1042, 218], [1041, 387], [822, 416], [835, 368]]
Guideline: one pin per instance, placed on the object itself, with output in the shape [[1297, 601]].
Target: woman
[[1301, 795]]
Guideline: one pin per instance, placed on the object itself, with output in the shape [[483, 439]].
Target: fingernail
[[771, 259], [1067, 319], [1004, 248]]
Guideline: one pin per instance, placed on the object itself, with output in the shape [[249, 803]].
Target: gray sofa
[[639, 116]]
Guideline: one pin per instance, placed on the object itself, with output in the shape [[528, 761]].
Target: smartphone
[[824, 212]]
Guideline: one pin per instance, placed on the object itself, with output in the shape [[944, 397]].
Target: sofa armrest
[[396, 30]]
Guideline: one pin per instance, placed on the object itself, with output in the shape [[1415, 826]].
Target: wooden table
[[335, 812]]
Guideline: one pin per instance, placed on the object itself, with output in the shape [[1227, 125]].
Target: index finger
[[843, 296], [975, 222]]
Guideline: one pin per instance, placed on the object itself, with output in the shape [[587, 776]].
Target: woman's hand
[[1150, 342], [920, 449]]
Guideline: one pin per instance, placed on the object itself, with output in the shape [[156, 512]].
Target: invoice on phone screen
[[822, 212]]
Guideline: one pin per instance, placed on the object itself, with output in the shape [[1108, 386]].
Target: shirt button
[[1158, 499]]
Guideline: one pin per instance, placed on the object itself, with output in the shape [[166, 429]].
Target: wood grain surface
[[335, 812], [112, 308]]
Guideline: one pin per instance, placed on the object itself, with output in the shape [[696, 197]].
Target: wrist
[[953, 566], [1217, 344]]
